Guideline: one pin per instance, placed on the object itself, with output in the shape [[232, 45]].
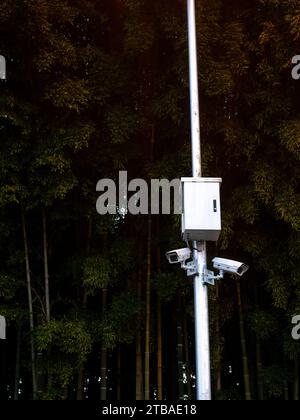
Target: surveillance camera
[[230, 266], [179, 255]]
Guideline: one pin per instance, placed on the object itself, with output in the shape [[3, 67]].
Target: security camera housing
[[230, 266], [201, 217], [179, 255]]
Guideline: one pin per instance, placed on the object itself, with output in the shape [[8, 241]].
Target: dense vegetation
[[99, 86]]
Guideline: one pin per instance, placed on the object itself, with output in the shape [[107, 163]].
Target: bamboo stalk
[[30, 307]]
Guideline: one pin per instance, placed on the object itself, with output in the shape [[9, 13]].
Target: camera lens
[[173, 258]]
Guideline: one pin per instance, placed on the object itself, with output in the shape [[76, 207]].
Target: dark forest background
[[98, 86]]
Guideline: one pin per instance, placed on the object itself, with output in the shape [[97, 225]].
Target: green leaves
[[265, 178], [139, 31], [294, 20], [121, 320], [245, 205], [121, 124], [97, 273], [169, 105], [69, 337], [101, 271], [68, 94], [70, 344], [167, 285], [99, 86], [274, 377], [8, 287], [289, 134], [263, 324], [287, 205]]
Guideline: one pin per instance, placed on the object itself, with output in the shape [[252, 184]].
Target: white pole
[[2, 68], [203, 378]]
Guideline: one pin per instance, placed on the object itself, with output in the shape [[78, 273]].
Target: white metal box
[[201, 217]]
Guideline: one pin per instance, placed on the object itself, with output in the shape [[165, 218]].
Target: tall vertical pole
[[2, 68], [203, 379]]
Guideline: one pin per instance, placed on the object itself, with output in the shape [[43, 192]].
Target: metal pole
[[2, 68], [203, 378]]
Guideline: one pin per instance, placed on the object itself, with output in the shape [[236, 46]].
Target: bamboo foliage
[[94, 88]]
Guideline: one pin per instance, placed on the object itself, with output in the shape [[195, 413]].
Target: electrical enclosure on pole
[[203, 378]]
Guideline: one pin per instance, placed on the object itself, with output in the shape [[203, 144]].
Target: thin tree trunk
[[148, 287], [66, 393], [80, 385], [103, 362], [173, 359], [81, 374], [119, 373], [18, 358], [148, 313], [139, 368], [30, 308], [246, 374], [159, 328], [259, 364], [180, 350], [46, 267], [286, 390], [187, 356], [159, 354], [259, 367], [47, 290], [296, 381], [139, 356], [103, 355]]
